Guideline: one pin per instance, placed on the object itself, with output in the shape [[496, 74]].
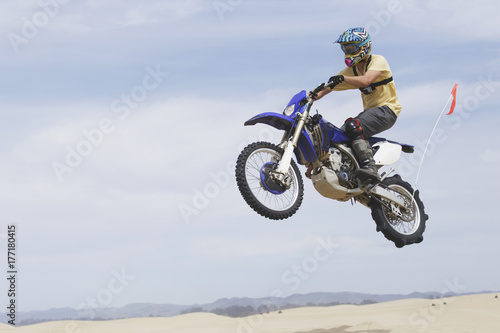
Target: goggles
[[350, 48]]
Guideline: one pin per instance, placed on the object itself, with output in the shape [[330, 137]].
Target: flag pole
[[453, 95]]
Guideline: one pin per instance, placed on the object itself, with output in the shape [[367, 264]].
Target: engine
[[332, 178], [340, 164]]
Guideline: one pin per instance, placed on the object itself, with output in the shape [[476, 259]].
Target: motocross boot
[[364, 153]]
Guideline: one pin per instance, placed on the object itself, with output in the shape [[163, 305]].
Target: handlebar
[[318, 88], [321, 87]]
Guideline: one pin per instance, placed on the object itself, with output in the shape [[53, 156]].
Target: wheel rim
[[253, 170], [409, 221]]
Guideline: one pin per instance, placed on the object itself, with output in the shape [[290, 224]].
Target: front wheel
[[402, 225], [267, 197]]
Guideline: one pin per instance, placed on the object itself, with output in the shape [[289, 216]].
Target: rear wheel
[[254, 176], [402, 225]]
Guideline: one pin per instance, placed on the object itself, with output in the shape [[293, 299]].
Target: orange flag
[[454, 93]]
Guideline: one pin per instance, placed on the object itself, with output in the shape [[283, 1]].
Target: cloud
[[451, 21], [119, 14], [142, 169], [95, 14], [246, 246], [491, 156]]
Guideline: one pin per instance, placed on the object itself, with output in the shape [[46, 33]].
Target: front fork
[[280, 174]]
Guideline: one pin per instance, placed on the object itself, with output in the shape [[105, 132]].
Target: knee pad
[[353, 129]]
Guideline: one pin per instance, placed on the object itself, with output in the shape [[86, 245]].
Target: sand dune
[[463, 314]]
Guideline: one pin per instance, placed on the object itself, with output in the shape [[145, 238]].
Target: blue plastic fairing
[[282, 122], [276, 120], [405, 147], [296, 100], [331, 134]]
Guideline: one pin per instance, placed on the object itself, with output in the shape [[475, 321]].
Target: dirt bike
[[270, 182]]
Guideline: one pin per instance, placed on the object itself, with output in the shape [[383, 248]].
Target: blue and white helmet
[[356, 44]]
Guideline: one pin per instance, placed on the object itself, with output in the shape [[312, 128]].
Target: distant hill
[[467, 313], [233, 307]]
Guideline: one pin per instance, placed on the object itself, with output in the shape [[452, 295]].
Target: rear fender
[[305, 149], [409, 149]]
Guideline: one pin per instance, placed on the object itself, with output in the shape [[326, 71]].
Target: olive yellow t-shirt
[[382, 95]]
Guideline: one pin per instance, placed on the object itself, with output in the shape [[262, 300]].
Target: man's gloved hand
[[334, 80], [314, 94]]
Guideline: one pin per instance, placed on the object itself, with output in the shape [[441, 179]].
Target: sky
[[122, 122]]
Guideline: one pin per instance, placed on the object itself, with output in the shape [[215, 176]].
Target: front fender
[[276, 120], [282, 122]]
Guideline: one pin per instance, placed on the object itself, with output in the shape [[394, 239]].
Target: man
[[372, 75]]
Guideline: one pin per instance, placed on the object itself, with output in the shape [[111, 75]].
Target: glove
[[334, 80]]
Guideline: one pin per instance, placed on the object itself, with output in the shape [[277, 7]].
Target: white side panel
[[387, 154]]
